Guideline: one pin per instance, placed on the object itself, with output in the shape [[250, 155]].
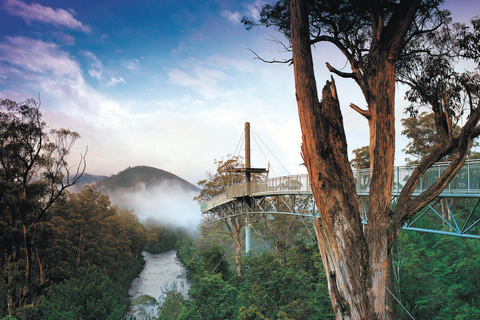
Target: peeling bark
[[357, 260], [357, 264]]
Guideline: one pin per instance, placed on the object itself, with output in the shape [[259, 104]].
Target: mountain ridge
[[142, 176]]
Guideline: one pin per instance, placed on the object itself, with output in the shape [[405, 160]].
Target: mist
[[167, 203]]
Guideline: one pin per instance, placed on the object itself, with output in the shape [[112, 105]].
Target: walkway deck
[[292, 195]]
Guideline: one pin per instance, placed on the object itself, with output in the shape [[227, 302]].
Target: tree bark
[[339, 231], [356, 263]]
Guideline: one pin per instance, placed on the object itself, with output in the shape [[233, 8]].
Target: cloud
[[65, 38], [202, 80], [37, 12], [131, 64], [167, 203], [96, 68], [234, 18], [114, 81], [254, 10], [37, 56]]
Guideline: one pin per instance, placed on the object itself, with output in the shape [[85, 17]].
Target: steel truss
[[453, 215], [298, 204]]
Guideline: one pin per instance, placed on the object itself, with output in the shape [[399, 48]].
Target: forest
[[436, 277], [63, 255], [73, 255]]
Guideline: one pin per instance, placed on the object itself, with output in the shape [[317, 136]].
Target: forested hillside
[[143, 177], [63, 255], [87, 252]]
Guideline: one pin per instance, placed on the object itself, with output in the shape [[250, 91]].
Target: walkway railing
[[467, 181]]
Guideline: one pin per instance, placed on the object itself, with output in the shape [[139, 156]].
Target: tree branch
[[364, 113], [286, 61], [407, 206], [340, 73]]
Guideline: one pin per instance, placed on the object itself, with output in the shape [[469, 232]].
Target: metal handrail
[[466, 181]]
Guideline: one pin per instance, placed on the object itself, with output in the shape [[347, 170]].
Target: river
[[161, 273]]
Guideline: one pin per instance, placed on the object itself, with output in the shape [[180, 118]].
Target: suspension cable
[[222, 258], [261, 238], [262, 152], [399, 303], [309, 232], [240, 143], [270, 151]]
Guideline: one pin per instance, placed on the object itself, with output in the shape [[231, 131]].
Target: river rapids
[[161, 273]]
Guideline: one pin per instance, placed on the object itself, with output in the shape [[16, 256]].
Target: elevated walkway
[[292, 195]]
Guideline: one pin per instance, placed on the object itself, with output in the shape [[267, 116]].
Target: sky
[[167, 83]]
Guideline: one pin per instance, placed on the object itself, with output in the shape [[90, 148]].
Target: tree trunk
[[382, 155], [356, 263], [238, 256]]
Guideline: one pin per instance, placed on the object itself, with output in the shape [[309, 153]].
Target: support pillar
[[248, 225]]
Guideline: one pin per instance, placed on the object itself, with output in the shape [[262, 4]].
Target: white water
[[161, 273]]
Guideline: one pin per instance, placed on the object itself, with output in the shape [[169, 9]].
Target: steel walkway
[[292, 195]]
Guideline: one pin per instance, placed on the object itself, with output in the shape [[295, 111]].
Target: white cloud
[[37, 12], [65, 38], [202, 80], [254, 10], [38, 56], [130, 64], [114, 81], [232, 17], [96, 68]]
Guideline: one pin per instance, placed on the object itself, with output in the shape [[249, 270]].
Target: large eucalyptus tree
[[377, 38]]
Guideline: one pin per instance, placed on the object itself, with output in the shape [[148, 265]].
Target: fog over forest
[[167, 203]]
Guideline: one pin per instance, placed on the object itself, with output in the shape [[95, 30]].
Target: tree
[[362, 158], [375, 37], [93, 232], [217, 183], [33, 175], [423, 137], [214, 297], [88, 295]]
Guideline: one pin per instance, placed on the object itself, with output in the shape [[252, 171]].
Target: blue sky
[[166, 83]]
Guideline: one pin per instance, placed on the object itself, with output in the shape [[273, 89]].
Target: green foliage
[[362, 158], [175, 307], [285, 284], [90, 231], [161, 238], [437, 276], [250, 313], [423, 136], [88, 295], [143, 306], [214, 298], [282, 231], [33, 176]]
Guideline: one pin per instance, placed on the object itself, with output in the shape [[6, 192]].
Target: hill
[[143, 177], [90, 178]]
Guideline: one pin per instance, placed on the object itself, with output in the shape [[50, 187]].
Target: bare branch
[[364, 113], [286, 61]]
